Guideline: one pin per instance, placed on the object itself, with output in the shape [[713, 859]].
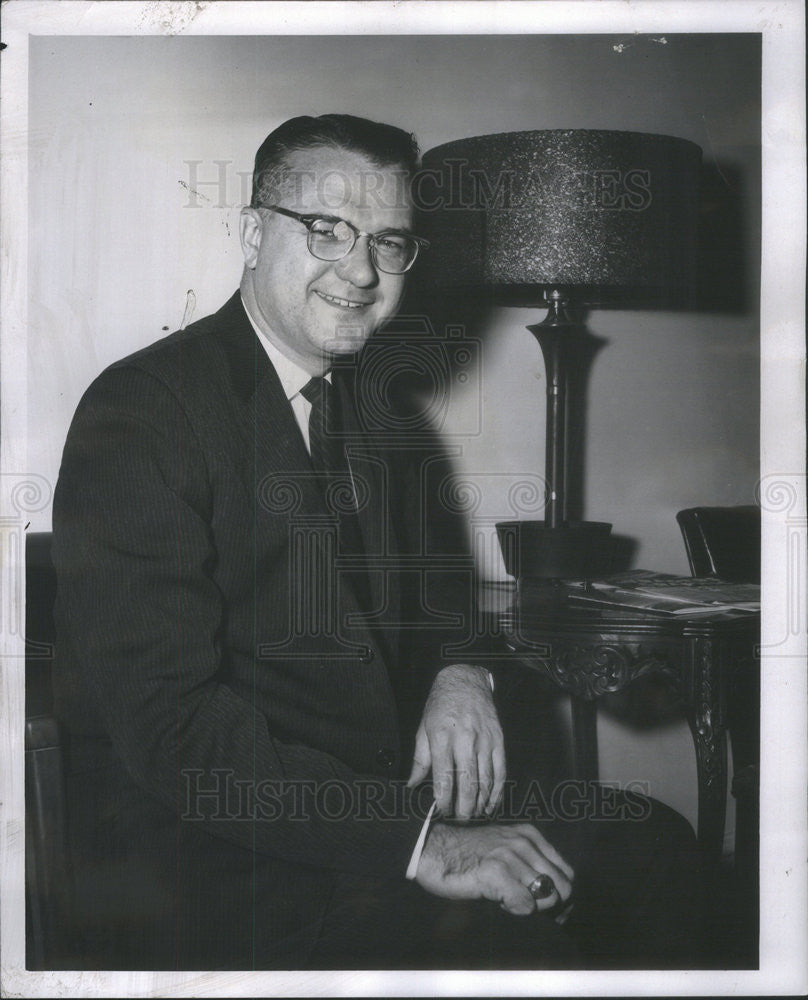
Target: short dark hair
[[384, 145]]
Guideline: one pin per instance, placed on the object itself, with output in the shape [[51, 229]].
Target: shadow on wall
[[723, 284]]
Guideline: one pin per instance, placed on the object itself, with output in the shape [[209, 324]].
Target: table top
[[526, 613]]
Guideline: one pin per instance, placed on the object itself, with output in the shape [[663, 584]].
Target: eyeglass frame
[[308, 220]]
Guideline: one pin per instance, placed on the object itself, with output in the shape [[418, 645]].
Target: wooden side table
[[709, 660]]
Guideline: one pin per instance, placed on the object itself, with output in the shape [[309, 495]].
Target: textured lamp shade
[[610, 213]]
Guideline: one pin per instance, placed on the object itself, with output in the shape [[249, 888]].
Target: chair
[[722, 542], [725, 542], [48, 877]]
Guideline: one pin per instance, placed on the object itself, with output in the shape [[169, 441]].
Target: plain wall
[[123, 131]]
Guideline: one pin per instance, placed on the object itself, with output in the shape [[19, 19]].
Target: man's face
[[315, 308]]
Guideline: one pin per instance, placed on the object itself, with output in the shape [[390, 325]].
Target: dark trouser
[[635, 905], [144, 902]]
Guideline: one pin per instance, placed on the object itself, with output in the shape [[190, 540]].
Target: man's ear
[[250, 233]]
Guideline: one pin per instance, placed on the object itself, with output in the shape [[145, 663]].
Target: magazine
[[663, 593]]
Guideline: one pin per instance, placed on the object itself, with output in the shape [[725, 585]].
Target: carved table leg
[[585, 740], [743, 717], [705, 716]]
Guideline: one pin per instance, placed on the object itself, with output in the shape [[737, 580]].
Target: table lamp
[[571, 218]]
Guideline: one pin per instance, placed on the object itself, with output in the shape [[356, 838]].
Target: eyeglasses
[[332, 238]]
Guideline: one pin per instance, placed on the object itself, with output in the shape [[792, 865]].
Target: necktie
[[327, 435]]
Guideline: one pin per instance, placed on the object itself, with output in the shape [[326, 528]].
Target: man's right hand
[[495, 861]]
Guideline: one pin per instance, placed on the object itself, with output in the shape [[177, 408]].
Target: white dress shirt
[[292, 378]]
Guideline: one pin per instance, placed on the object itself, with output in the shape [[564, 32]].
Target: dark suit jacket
[[235, 722]]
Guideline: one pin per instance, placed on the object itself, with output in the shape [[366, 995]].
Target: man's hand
[[494, 861], [460, 741]]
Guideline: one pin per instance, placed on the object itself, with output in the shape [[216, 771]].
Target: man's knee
[[669, 831], [395, 924]]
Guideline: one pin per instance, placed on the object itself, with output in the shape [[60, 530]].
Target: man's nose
[[357, 266]]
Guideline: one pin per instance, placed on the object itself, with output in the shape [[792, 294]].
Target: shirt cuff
[[412, 867]]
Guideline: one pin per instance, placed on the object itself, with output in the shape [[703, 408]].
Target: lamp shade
[[611, 213]]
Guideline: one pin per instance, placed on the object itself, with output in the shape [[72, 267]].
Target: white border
[[784, 770]]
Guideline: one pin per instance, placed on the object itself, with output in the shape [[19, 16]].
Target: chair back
[[723, 542], [48, 877]]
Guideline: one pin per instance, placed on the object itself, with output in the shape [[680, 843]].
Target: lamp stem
[[552, 334], [555, 444]]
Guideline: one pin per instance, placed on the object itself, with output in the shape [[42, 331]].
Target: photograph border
[[784, 764]]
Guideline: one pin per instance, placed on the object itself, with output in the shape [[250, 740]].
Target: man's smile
[[342, 303]]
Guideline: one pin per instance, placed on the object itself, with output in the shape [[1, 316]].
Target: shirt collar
[[291, 375]]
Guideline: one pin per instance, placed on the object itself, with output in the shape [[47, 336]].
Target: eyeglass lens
[[392, 252]]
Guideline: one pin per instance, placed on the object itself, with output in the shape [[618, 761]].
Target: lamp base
[[575, 550]]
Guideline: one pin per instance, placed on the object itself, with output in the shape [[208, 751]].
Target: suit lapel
[[275, 456]]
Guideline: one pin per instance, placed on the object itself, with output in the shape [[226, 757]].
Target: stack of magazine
[[662, 593]]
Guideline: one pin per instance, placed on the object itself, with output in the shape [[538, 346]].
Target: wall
[[122, 128]]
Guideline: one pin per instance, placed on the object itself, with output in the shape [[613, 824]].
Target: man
[[234, 613]]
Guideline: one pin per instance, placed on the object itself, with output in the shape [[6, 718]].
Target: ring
[[541, 887]]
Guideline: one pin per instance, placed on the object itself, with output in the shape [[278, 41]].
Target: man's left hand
[[460, 741]]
